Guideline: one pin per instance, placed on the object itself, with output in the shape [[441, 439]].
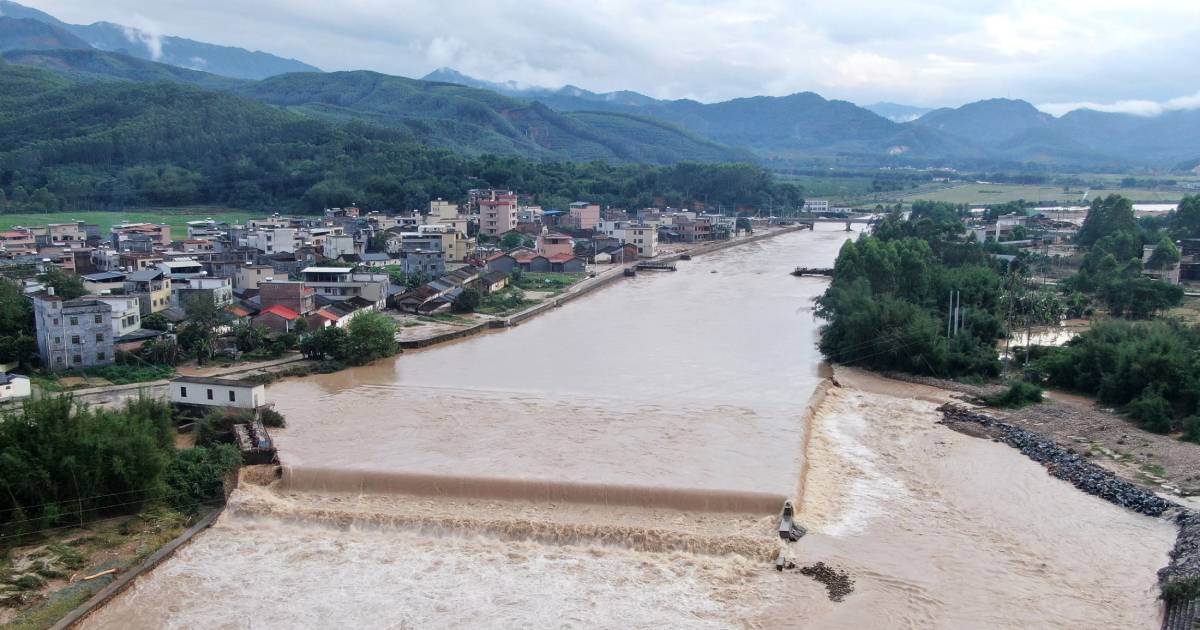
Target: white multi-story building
[[340, 283], [273, 240], [816, 205], [126, 313], [645, 237]]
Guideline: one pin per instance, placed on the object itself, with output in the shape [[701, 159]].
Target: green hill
[[91, 145]]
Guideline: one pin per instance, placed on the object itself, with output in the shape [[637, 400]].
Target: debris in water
[[837, 582]]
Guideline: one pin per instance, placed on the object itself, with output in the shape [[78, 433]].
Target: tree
[[372, 336], [156, 321], [467, 301], [1165, 255], [328, 343], [17, 342], [1108, 216], [196, 475], [67, 286], [1186, 221], [249, 337], [511, 240]]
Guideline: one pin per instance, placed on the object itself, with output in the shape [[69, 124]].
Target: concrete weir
[[533, 490]]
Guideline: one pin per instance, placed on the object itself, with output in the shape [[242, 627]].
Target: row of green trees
[[1147, 368], [368, 336], [888, 305], [63, 463]]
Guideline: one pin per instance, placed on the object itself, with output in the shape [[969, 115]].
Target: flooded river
[[618, 463]]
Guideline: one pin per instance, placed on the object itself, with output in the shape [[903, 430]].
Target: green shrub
[[218, 426], [271, 418], [1191, 429], [196, 476], [1018, 394], [1151, 411]]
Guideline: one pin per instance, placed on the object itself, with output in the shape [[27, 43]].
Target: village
[[451, 267]]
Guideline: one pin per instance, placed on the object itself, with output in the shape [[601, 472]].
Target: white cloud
[[146, 32], [924, 52], [1135, 107]]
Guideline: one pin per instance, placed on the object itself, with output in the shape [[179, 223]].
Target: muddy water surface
[[603, 466]]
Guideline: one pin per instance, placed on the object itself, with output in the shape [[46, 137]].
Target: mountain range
[[452, 110], [177, 51]]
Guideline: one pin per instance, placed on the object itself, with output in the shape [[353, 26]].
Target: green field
[[177, 218], [1000, 193]]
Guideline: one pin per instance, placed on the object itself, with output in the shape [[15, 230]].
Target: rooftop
[[209, 380], [281, 311]]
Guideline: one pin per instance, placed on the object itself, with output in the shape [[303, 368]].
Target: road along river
[[619, 463]]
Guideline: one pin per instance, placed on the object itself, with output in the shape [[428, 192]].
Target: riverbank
[[940, 529], [1159, 462]]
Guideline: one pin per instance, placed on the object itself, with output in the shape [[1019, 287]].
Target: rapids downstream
[[619, 462]]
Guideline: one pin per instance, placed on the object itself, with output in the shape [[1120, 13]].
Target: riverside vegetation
[[887, 310]]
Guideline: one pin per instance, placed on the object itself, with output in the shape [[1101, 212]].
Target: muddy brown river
[[618, 462]]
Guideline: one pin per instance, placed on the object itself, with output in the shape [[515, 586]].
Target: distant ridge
[[177, 51]]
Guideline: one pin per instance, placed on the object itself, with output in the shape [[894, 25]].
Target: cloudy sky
[[1130, 55]]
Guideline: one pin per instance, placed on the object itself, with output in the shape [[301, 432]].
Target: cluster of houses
[[277, 271]]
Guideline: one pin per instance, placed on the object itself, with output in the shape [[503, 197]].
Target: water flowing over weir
[[539, 491], [619, 462]]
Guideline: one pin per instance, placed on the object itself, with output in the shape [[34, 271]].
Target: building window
[[75, 339], [55, 321], [97, 319], [74, 321], [99, 356], [183, 392], [100, 337], [77, 359], [232, 397], [210, 397], [57, 340], [58, 360]]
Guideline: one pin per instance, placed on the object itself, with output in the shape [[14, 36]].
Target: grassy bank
[[177, 218], [41, 574]]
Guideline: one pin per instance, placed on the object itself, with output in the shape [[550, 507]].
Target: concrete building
[[280, 319], [219, 290], [154, 234], [338, 245], [645, 237], [14, 387], [216, 392], [73, 334], [126, 313], [584, 215], [104, 282], [152, 287], [249, 276], [428, 263], [340, 283], [288, 293], [443, 210], [273, 240], [16, 242], [816, 205], [498, 214], [553, 243]]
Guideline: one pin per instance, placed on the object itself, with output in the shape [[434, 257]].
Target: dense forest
[[66, 145]]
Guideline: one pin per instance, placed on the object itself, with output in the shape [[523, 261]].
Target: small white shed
[[216, 392]]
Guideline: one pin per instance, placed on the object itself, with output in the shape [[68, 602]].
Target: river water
[[618, 463]]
